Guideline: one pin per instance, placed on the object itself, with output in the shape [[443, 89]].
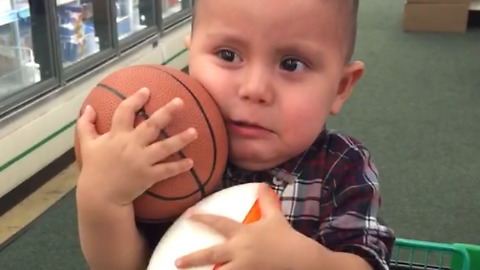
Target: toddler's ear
[[352, 73], [187, 41]]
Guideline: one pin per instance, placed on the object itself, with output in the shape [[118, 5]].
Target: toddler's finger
[[160, 150], [149, 130], [163, 171], [124, 116], [86, 125], [214, 255]]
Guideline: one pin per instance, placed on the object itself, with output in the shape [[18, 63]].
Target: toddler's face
[[276, 69]]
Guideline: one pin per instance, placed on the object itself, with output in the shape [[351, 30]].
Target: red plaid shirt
[[329, 193]]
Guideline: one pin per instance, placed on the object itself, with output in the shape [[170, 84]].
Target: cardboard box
[[436, 17], [438, 1], [475, 5]]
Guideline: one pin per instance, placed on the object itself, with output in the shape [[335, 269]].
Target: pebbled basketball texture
[[169, 198]]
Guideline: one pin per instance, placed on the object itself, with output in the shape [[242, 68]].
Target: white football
[[184, 236]]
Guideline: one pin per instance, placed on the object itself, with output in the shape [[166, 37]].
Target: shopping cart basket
[[414, 254]]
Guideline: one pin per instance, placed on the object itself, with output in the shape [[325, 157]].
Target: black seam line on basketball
[[112, 90], [194, 175], [201, 187], [143, 114], [204, 117], [120, 95]]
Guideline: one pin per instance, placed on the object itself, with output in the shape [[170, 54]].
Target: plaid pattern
[[330, 193]]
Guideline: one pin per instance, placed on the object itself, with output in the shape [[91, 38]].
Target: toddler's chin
[[252, 161]]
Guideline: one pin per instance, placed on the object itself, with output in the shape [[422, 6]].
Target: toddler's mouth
[[246, 124]]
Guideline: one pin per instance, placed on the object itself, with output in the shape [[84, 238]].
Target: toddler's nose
[[256, 87]]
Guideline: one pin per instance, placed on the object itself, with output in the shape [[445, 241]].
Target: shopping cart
[[414, 254]]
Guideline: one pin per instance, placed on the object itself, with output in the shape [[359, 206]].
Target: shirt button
[[277, 182]]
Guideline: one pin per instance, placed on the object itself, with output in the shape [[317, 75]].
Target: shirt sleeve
[[349, 210]]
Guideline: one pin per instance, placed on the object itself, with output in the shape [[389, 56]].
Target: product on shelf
[[6, 37], [19, 4], [71, 30], [7, 56], [87, 11], [172, 3], [124, 26]]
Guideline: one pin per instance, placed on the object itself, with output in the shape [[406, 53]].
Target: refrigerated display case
[[46, 44], [18, 68]]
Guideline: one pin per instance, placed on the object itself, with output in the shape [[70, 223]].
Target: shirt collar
[[286, 172]]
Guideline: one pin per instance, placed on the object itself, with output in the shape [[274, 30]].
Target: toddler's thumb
[[86, 125], [268, 201]]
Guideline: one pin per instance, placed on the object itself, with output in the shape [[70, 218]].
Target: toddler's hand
[[126, 161], [266, 244]]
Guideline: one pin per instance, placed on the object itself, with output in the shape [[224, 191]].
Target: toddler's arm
[[349, 211], [117, 167], [108, 235]]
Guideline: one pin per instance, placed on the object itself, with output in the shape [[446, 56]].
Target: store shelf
[[12, 16], [172, 10], [63, 2], [8, 17], [18, 79], [19, 70], [23, 12]]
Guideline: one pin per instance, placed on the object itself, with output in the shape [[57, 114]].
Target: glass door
[[134, 16], [20, 67], [76, 28], [174, 10]]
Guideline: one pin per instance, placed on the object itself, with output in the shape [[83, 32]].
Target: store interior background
[[416, 109]]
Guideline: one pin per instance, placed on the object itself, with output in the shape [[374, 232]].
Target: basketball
[[239, 203], [169, 198]]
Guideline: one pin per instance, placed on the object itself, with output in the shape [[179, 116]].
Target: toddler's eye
[[292, 64], [228, 56]]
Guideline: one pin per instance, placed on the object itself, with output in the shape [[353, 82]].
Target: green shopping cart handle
[[460, 256]]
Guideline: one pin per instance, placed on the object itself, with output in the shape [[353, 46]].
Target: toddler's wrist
[[97, 205], [90, 193], [311, 254]]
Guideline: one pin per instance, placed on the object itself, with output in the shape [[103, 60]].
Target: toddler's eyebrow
[[226, 37], [301, 48]]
